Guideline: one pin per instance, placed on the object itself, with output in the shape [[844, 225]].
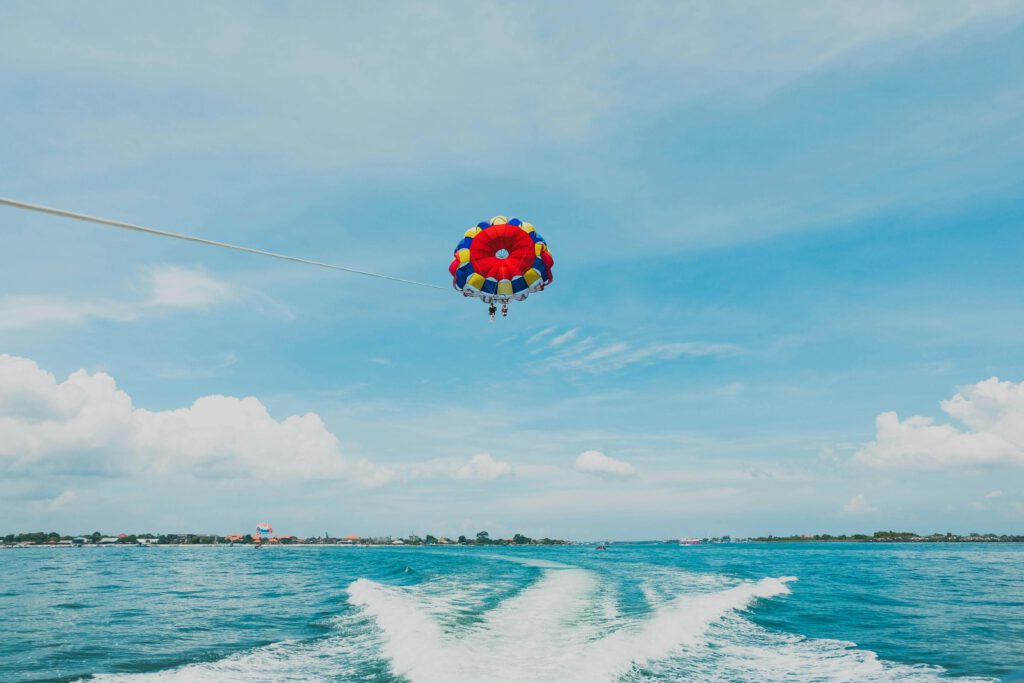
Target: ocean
[[636, 612]]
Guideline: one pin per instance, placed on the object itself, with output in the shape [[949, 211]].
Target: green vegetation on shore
[[894, 537], [98, 538], [482, 538]]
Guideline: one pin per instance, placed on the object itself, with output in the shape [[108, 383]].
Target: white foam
[[564, 627], [548, 620], [553, 630], [330, 659], [528, 561], [739, 650], [414, 639], [678, 624]]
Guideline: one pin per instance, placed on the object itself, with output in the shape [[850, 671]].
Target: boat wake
[[566, 626], [554, 630]]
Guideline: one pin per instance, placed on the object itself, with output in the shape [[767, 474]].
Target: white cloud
[[585, 355], [994, 494], [540, 335], [562, 338], [992, 412], [334, 90], [86, 425], [482, 466], [858, 505], [170, 287], [596, 462], [66, 498], [19, 311], [356, 68], [182, 288]]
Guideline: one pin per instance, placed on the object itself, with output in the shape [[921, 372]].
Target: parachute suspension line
[[200, 240]]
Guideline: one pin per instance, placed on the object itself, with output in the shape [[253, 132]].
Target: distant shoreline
[[892, 537], [774, 541], [482, 539]]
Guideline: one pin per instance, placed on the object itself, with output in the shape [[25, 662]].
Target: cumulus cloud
[[992, 413], [596, 462], [86, 425], [994, 494], [858, 505], [170, 287], [483, 466]]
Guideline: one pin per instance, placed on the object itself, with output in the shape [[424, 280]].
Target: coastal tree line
[[482, 538], [896, 537]]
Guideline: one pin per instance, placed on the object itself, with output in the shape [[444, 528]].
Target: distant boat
[[689, 541]]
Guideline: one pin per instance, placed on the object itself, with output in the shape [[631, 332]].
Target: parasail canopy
[[501, 260]]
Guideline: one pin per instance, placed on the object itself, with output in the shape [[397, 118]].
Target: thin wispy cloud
[[174, 287], [170, 288], [858, 505], [540, 335], [480, 468], [66, 498], [563, 338], [566, 80], [202, 368], [599, 354]]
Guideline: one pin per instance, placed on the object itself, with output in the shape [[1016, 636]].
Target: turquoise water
[[745, 612]]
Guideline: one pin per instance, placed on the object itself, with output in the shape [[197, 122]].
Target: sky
[[787, 239]]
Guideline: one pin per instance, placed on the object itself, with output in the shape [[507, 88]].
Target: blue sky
[[770, 228]]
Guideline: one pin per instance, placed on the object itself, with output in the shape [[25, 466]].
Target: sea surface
[[741, 612]]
